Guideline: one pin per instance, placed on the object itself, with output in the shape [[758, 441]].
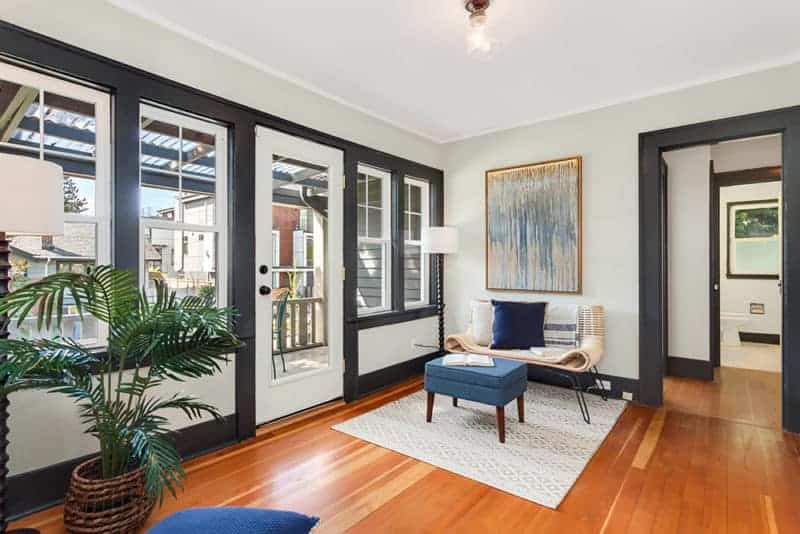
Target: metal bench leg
[[598, 384], [576, 385]]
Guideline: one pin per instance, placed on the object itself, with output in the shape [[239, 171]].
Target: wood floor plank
[[675, 469]]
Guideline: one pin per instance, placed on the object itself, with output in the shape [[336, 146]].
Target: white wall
[[747, 153], [608, 141], [737, 294], [45, 428], [388, 345], [688, 249]]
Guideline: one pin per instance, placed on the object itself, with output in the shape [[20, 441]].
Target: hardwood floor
[[657, 471], [741, 395]]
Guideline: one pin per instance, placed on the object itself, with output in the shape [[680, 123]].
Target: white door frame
[[279, 397]]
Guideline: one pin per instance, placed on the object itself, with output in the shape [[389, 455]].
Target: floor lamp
[[32, 203], [440, 240]]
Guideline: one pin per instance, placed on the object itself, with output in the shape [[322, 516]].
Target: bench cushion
[[496, 385]]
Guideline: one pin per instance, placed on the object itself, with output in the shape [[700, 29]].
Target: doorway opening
[[724, 279]]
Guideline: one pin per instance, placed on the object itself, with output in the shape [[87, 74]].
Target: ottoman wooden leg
[[501, 423], [521, 408], [429, 414], [455, 401]]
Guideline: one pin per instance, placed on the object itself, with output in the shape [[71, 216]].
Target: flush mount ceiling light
[[478, 41]]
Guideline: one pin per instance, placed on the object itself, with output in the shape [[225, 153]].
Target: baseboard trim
[[690, 368], [388, 376], [758, 337], [42, 488], [617, 384]]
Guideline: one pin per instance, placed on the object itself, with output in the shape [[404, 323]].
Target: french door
[[299, 350]]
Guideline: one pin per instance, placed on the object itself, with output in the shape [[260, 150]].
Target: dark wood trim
[[758, 337], [652, 245], [690, 368], [741, 276], [388, 376], [384, 319], [42, 488], [714, 267], [749, 176]]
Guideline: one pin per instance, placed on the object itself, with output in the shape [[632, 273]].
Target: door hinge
[[344, 182], [344, 273]]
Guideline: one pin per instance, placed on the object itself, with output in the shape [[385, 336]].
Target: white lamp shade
[[440, 240], [32, 202]]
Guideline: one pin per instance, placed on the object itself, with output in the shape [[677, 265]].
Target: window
[[415, 218], [51, 119], [374, 240], [183, 179], [754, 239]]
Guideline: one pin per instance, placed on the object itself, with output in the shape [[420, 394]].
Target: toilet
[[730, 323]]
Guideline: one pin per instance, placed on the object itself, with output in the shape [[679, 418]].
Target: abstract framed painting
[[533, 227]]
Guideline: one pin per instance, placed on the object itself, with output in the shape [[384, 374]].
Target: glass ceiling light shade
[[36, 206], [478, 41]]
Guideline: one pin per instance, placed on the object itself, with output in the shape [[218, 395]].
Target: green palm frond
[[156, 339]]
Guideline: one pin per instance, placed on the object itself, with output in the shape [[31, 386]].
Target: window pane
[[371, 275], [19, 114], [415, 227], [185, 261], [160, 161], [69, 141], [415, 198], [198, 173], [362, 222], [374, 222], [756, 222], [756, 256], [375, 192], [412, 273], [362, 189], [33, 258]]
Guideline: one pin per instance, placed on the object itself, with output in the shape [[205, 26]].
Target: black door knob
[[265, 290], [263, 269]]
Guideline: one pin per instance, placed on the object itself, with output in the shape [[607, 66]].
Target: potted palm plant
[[150, 341]]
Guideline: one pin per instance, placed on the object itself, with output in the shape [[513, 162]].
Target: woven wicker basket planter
[[95, 506]]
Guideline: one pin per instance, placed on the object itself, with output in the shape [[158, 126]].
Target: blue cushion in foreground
[[518, 325], [228, 520]]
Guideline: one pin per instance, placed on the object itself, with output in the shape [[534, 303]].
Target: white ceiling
[[405, 61]]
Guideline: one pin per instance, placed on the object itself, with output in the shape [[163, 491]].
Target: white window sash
[[102, 160], [386, 236], [219, 228], [424, 223]]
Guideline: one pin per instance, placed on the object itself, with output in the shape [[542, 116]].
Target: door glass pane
[[185, 261], [299, 234], [34, 257]]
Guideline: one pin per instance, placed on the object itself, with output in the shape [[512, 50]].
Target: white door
[[299, 353]]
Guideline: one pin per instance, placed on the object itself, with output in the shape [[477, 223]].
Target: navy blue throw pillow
[[518, 325], [232, 520]]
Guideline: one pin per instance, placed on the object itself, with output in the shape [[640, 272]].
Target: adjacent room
[[399, 266]]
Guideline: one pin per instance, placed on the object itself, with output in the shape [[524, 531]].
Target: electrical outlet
[[606, 384], [627, 395]]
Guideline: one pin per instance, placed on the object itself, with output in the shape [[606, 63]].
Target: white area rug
[[540, 460]]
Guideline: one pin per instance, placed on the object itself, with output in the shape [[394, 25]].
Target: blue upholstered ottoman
[[232, 520], [496, 386]]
